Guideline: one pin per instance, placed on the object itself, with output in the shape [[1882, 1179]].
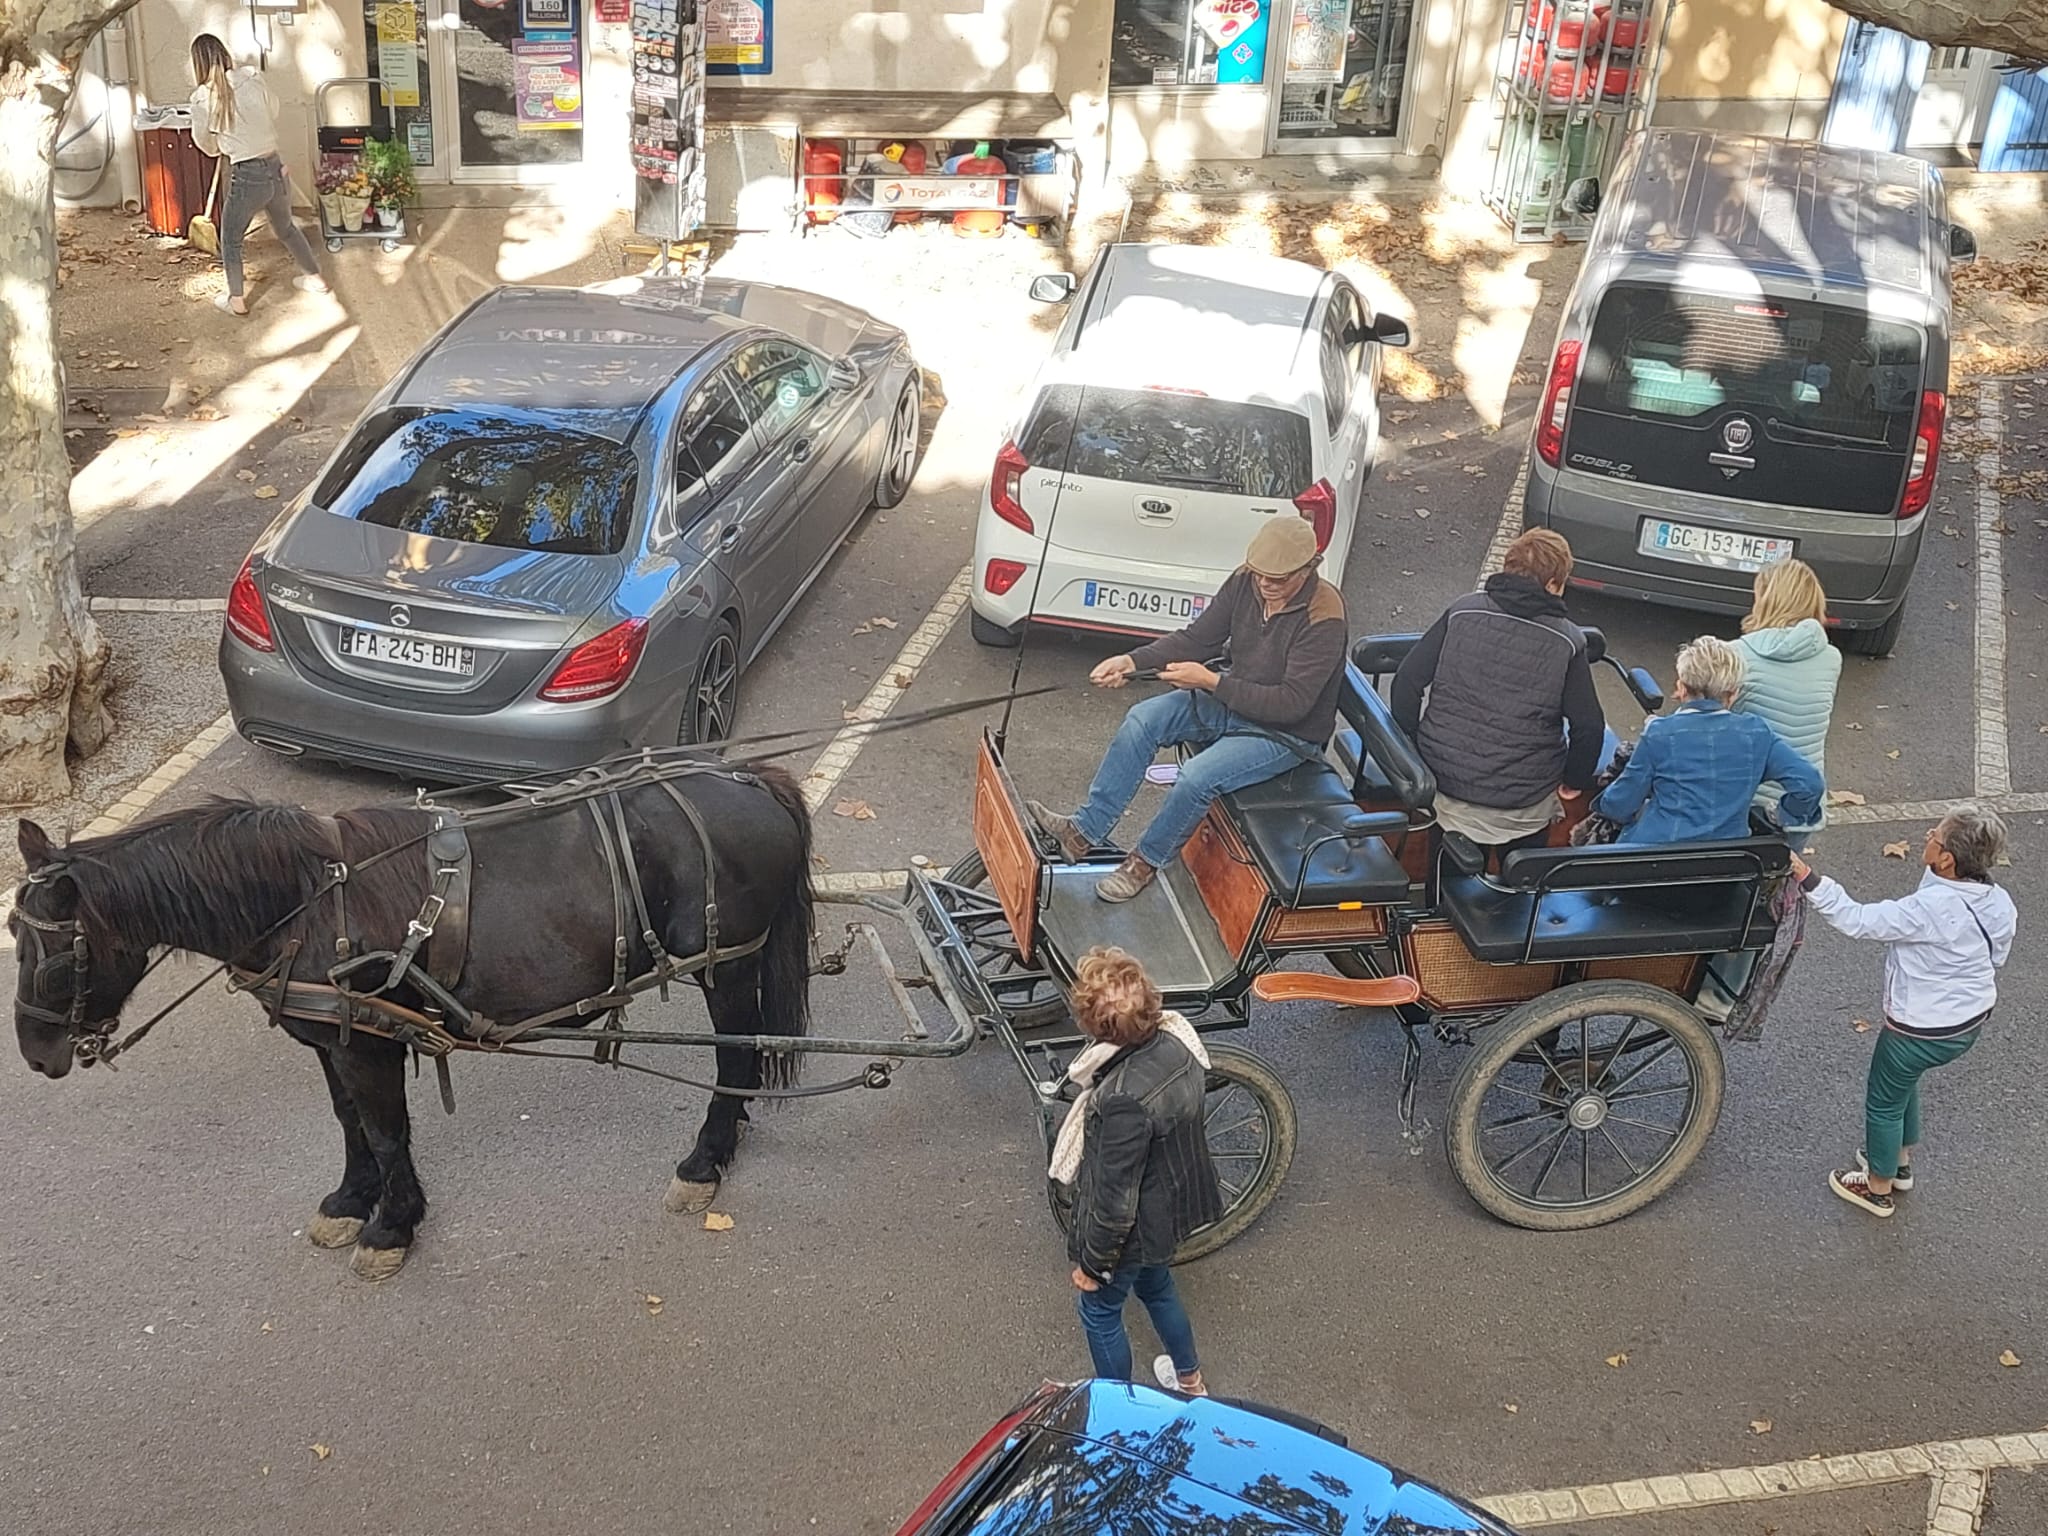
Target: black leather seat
[[1314, 845], [1552, 904]]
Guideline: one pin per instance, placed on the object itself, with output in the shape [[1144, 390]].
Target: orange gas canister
[[824, 178], [911, 156], [980, 223]]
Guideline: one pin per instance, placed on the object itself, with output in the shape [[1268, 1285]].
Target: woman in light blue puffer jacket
[[1791, 669]]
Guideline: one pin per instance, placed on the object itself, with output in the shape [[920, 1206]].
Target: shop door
[[1879, 76], [511, 75], [1342, 75], [1949, 112]]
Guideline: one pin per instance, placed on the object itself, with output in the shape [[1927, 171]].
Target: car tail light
[[1319, 505], [1006, 484], [599, 666], [248, 620], [1001, 575], [985, 1447], [1557, 403], [1926, 453]]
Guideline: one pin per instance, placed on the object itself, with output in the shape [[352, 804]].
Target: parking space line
[[2029, 804], [1958, 1466], [157, 604], [1510, 526], [840, 752], [1994, 760]]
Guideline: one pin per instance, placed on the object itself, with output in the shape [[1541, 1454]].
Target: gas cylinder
[[914, 161], [824, 180], [979, 223]]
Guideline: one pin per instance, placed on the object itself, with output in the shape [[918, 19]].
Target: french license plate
[[408, 651], [1712, 546], [1140, 602]]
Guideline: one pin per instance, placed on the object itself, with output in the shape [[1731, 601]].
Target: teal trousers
[[1891, 1094]]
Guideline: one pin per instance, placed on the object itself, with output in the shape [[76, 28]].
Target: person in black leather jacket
[[1145, 1180]]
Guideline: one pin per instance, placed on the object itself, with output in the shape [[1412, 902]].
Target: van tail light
[[1006, 485], [599, 666], [1002, 575], [1319, 505], [1557, 403], [1926, 454], [248, 620]]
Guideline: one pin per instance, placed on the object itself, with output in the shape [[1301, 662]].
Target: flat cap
[[1282, 547]]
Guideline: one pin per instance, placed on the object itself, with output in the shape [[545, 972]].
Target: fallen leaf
[[1852, 726], [902, 679], [1897, 850], [245, 474], [717, 1221], [1618, 1361], [881, 623], [1951, 607], [2007, 1358], [1759, 1426], [1422, 511], [1862, 1026], [264, 1329], [863, 629], [1951, 531], [1893, 754], [321, 1452], [1512, 1407], [1845, 797], [264, 492], [857, 810]]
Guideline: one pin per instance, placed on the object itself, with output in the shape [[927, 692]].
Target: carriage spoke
[[1614, 1055], [1618, 1152], [1550, 1162], [1643, 1125], [1556, 1112], [1525, 1093], [1648, 1093], [1531, 1146], [1585, 1166], [1644, 1065]]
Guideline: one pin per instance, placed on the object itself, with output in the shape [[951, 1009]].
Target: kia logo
[[1737, 434], [1154, 507], [401, 615]]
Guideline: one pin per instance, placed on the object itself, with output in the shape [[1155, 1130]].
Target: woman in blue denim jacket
[[1696, 770]]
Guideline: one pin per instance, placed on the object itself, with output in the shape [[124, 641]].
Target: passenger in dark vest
[[1505, 672]]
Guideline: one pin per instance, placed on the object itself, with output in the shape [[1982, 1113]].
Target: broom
[[202, 231]]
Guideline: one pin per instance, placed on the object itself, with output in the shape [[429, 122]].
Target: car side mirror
[[1962, 245], [1583, 195], [1645, 688], [1388, 331], [1053, 287], [843, 374]]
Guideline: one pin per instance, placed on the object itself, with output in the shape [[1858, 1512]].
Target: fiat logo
[[401, 616], [1737, 434]]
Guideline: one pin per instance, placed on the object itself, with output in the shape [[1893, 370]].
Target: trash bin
[[176, 174]]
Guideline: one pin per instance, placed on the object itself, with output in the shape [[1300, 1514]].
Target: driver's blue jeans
[[1234, 752]]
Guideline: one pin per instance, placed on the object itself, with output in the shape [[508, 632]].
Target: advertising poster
[[547, 83], [544, 16], [1315, 46], [398, 53], [739, 37], [668, 118], [1237, 31]]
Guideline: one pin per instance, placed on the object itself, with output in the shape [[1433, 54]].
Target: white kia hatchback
[[1193, 393]]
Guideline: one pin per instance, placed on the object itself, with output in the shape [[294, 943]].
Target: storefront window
[[1346, 67], [1189, 42]]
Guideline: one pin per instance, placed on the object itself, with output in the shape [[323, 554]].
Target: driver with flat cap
[[1281, 628]]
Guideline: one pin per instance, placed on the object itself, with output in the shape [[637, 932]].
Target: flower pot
[[387, 216], [330, 209], [352, 211]]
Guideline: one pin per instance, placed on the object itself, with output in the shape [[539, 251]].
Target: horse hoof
[[376, 1263], [334, 1231], [686, 1197]]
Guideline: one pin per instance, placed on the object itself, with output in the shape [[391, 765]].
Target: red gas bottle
[[980, 223], [914, 162], [824, 178]]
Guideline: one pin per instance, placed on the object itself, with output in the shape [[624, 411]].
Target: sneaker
[[1073, 842], [1171, 1379], [1854, 1187], [1901, 1181], [1126, 880]]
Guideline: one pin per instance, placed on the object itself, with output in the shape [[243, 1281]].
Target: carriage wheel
[[1249, 1115], [1584, 1105], [1028, 1004]]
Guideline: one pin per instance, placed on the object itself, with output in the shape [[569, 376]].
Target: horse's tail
[[786, 957]]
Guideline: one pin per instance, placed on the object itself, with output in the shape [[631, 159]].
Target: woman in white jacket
[[1789, 669], [234, 114]]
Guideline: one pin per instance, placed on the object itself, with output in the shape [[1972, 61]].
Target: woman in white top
[[234, 113], [1789, 670]]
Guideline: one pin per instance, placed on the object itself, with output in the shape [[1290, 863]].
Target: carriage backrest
[[1378, 656], [1382, 743], [1620, 866], [1009, 851]]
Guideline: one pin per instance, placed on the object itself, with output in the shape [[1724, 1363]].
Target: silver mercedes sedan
[[566, 527]]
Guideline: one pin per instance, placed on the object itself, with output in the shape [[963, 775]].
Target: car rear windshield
[[1162, 437], [1831, 395], [515, 480]]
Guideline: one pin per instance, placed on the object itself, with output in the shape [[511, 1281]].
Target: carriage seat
[[1304, 830], [1609, 901]]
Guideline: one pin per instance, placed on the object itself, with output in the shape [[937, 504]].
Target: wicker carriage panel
[[1326, 925], [1674, 973], [1451, 978]]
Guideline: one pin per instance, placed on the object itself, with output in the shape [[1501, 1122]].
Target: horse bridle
[[29, 994]]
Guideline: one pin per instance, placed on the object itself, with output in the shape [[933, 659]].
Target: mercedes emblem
[[401, 616]]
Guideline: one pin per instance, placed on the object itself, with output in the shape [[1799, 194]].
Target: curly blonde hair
[[1114, 1000]]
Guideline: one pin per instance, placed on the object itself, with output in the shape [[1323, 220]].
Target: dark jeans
[[260, 186], [1102, 1319]]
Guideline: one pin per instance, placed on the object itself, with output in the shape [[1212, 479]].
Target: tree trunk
[[53, 659], [2017, 27]]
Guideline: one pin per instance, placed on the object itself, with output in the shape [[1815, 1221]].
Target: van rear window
[[1826, 395], [1158, 437]]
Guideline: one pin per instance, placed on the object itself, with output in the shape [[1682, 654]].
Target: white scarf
[[1066, 1149]]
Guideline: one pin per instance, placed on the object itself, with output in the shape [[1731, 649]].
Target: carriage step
[[1308, 986]]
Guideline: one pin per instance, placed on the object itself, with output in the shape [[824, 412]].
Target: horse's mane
[[217, 876]]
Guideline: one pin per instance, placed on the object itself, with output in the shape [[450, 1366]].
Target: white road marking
[[1931, 811], [157, 604], [1510, 527], [1994, 761], [896, 679], [858, 881], [1958, 1466]]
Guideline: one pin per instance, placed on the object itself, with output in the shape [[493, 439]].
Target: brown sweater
[[1285, 671]]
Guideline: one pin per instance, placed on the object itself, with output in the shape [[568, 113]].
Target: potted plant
[[328, 184], [352, 198], [387, 166]]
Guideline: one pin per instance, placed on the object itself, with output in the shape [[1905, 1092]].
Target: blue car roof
[[1104, 1452]]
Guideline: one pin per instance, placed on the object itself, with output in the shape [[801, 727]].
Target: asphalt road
[[175, 1357]]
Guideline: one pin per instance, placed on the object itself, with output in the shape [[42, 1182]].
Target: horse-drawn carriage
[[1581, 976]]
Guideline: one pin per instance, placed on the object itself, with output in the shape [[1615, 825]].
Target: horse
[[277, 888]]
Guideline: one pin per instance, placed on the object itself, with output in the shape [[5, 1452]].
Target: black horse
[[226, 878]]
